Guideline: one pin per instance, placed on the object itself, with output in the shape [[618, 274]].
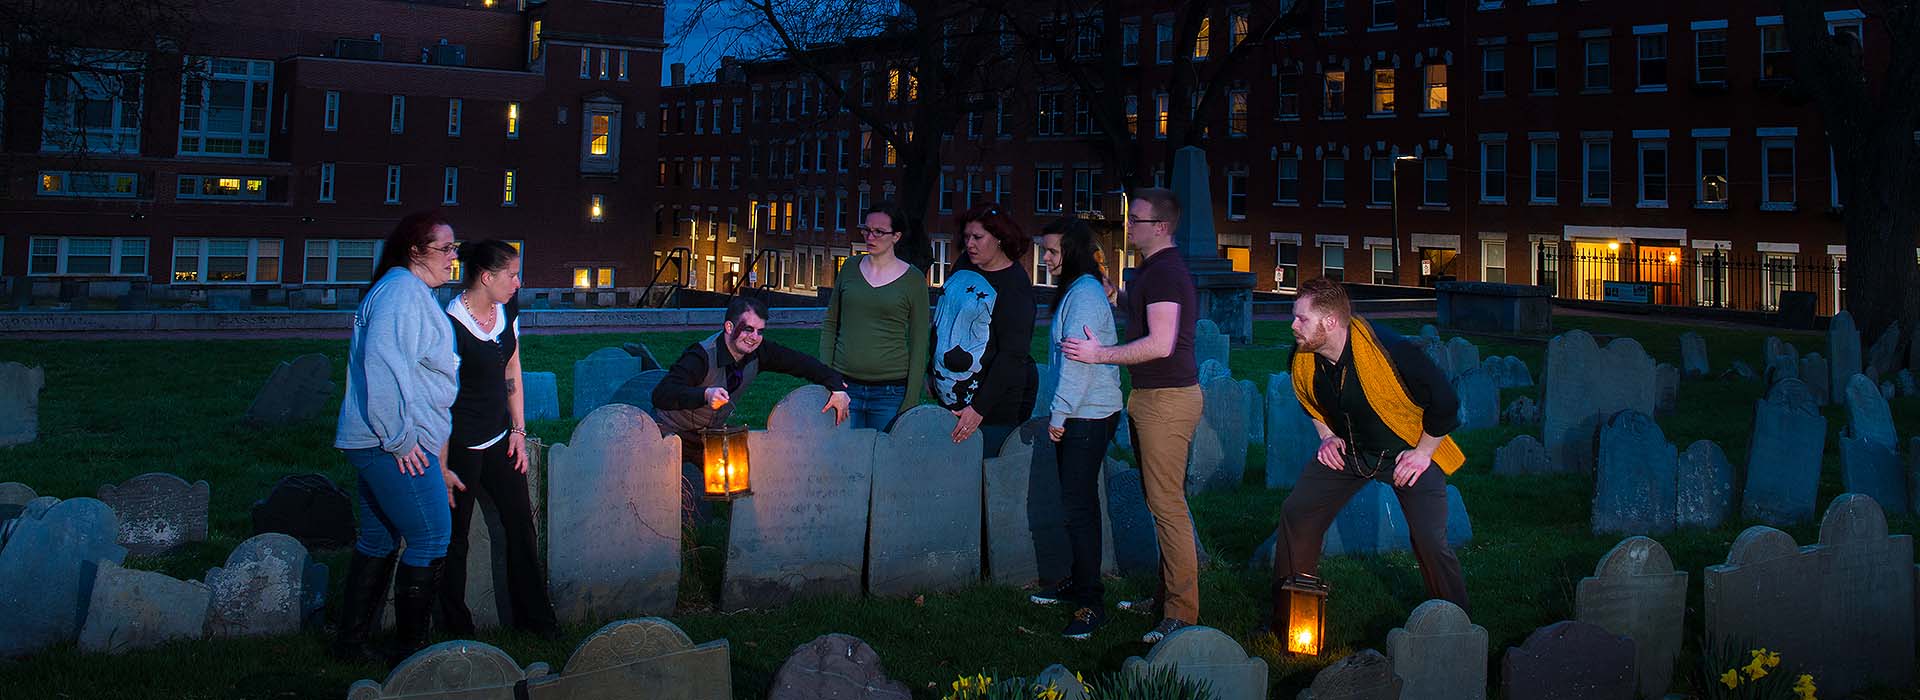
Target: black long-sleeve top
[[685, 387]]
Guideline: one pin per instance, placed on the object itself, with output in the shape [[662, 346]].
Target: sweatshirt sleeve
[[681, 389], [1427, 385], [390, 354], [1009, 340], [1082, 307], [919, 326]]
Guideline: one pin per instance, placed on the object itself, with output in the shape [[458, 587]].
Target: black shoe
[[1084, 622], [362, 598], [1053, 594], [1167, 626], [1143, 606], [415, 590]]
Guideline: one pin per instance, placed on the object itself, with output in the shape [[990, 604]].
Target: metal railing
[[1693, 277]]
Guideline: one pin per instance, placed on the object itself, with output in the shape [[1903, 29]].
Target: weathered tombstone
[[542, 395], [1210, 344], [1465, 356], [1813, 371], [1693, 355], [1782, 361], [1213, 369], [158, 512], [1364, 675], [1783, 456], [1908, 387], [1522, 412], [1883, 357], [1218, 457], [14, 497], [1136, 549], [599, 375], [835, 666], [262, 590], [1570, 660], [1841, 610], [1887, 390], [1517, 373], [615, 493], [1436, 350], [1587, 385], [294, 392], [1873, 469], [1049, 385], [1372, 524], [1739, 371], [1666, 382], [1521, 455], [452, 670], [1256, 412], [1634, 490], [47, 572], [638, 391], [1636, 593], [1440, 654], [1291, 439], [639, 350], [1204, 654], [1479, 399], [310, 508], [803, 530], [640, 658], [1062, 681], [20, 402], [1705, 485], [1869, 417], [1843, 353], [941, 549], [1026, 524], [131, 609]]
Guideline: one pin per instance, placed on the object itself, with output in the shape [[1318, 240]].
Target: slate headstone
[[1693, 355], [1585, 386], [1783, 456], [1465, 356], [542, 392], [1883, 357], [1291, 439], [1136, 549], [14, 497], [1440, 654], [1634, 490], [1364, 675], [1705, 485], [1256, 412], [835, 666], [1522, 412], [1210, 344], [599, 375], [1869, 417], [926, 509], [311, 508], [47, 572], [1636, 593], [1782, 361], [295, 391], [1740, 371], [638, 391], [1843, 354], [1666, 383], [1217, 459], [1062, 681], [1521, 455], [1436, 350], [1049, 385], [1479, 399], [1813, 371], [1873, 469], [644, 658], [1213, 369], [1372, 523], [458, 669], [1026, 523], [20, 402], [131, 609], [262, 589], [1908, 387], [158, 512], [1517, 373], [1570, 660], [1203, 654], [613, 517]]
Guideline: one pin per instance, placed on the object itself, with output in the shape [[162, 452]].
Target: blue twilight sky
[[698, 49]]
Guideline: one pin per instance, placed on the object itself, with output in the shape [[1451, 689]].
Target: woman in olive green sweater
[[877, 325]]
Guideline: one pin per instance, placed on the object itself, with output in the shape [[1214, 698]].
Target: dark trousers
[[1080, 455], [506, 487], [1320, 494]]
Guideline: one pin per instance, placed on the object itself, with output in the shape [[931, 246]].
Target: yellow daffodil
[[1730, 679], [1050, 693], [1756, 670], [1773, 659], [1803, 688]]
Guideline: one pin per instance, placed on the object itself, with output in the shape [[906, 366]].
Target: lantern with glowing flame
[[727, 469], [1307, 613]]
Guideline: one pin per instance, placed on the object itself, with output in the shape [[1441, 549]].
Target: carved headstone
[[1204, 654], [1636, 593], [1783, 456], [1365, 675], [1062, 681], [1883, 357], [1666, 382], [310, 508], [131, 609], [1218, 457], [1706, 486], [1464, 356], [1905, 381], [1587, 385], [1372, 523], [640, 658], [1873, 469], [1136, 549], [262, 589], [1210, 344], [940, 550], [294, 392], [1522, 455], [1814, 371], [1693, 355], [14, 497], [1522, 412], [599, 375], [1570, 660], [1256, 412], [542, 392], [1869, 417], [1479, 399], [1026, 522], [48, 568], [1440, 654], [1843, 354], [1291, 439], [615, 493], [454, 670], [158, 512], [20, 402], [1634, 491], [835, 666]]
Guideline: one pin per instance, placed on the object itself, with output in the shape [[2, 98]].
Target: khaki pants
[[1163, 423]]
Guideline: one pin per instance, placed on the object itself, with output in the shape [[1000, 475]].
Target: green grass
[[113, 410]]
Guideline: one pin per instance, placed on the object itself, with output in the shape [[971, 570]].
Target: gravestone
[[1440, 654], [295, 391], [1585, 386], [1873, 469], [1373, 524], [1869, 418], [1813, 371], [640, 658], [639, 350], [1521, 455], [638, 391], [1211, 370], [1203, 654], [926, 513], [614, 491], [1570, 660], [1634, 490], [599, 375], [20, 402], [1218, 457], [1436, 351], [47, 571], [835, 666], [803, 530], [158, 512], [1841, 610], [1740, 371], [1256, 412], [1887, 390], [1136, 548], [1464, 356], [1026, 522], [1510, 372], [14, 497], [1883, 357], [1210, 344], [1364, 675], [542, 395], [1479, 399], [1522, 412], [1705, 486], [1843, 354], [1783, 456], [1291, 439], [262, 589], [1049, 385], [131, 609], [1061, 681], [1429, 332], [1693, 355], [1782, 361], [453, 670], [1666, 384], [1636, 593], [310, 508], [1908, 387]]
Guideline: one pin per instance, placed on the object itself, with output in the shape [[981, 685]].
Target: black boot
[[361, 601], [415, 589]]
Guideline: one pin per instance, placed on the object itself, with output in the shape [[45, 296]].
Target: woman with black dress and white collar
[[488, 448]]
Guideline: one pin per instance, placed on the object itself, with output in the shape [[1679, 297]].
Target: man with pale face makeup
[[698, 391]]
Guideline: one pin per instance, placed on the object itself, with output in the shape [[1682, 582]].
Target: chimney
[[679, 74]]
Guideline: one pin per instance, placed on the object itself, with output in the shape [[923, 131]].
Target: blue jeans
[[874, 405], [397, 506]]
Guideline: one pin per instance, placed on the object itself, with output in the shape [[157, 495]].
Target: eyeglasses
[[447, 249], [871, 231], [1131, 220]]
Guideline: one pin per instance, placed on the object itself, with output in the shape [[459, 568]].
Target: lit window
[[582, 278], [507, 190], [603, 278], [1383, 81], [222, 187], [513, 120], [598, 143], [596, 210], [1203, 40], [64, 183], [453, 116], [226, 260], [1436, 75]]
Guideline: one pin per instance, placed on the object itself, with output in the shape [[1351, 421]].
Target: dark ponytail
[[490, 255]]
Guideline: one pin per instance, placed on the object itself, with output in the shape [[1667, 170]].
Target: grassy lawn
[[113, 410]]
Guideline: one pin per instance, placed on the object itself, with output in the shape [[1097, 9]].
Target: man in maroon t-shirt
[[1161, 312]]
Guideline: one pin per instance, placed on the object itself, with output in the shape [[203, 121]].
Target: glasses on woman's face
[[870, 231], [448, 249]]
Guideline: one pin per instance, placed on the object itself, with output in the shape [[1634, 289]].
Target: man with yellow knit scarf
[[1383, 411]]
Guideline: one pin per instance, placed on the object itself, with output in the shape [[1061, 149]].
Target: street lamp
[[1395, 178]]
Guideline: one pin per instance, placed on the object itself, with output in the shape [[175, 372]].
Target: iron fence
[[1693, 277]]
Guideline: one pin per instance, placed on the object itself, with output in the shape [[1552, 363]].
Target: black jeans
[[490, 469], [1318, 497], [1080, 454]]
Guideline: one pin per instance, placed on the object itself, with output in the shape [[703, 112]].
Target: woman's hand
[[517, 451], [412, 462], [969, 422], [453, 483]]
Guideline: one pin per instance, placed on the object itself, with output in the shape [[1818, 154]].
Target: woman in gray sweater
[[1085, 411], [402, 375]]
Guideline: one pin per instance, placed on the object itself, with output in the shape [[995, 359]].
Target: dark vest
[[706, 416], [480, 410]]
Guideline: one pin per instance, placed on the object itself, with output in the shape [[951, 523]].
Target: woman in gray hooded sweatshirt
[[402, 375]]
